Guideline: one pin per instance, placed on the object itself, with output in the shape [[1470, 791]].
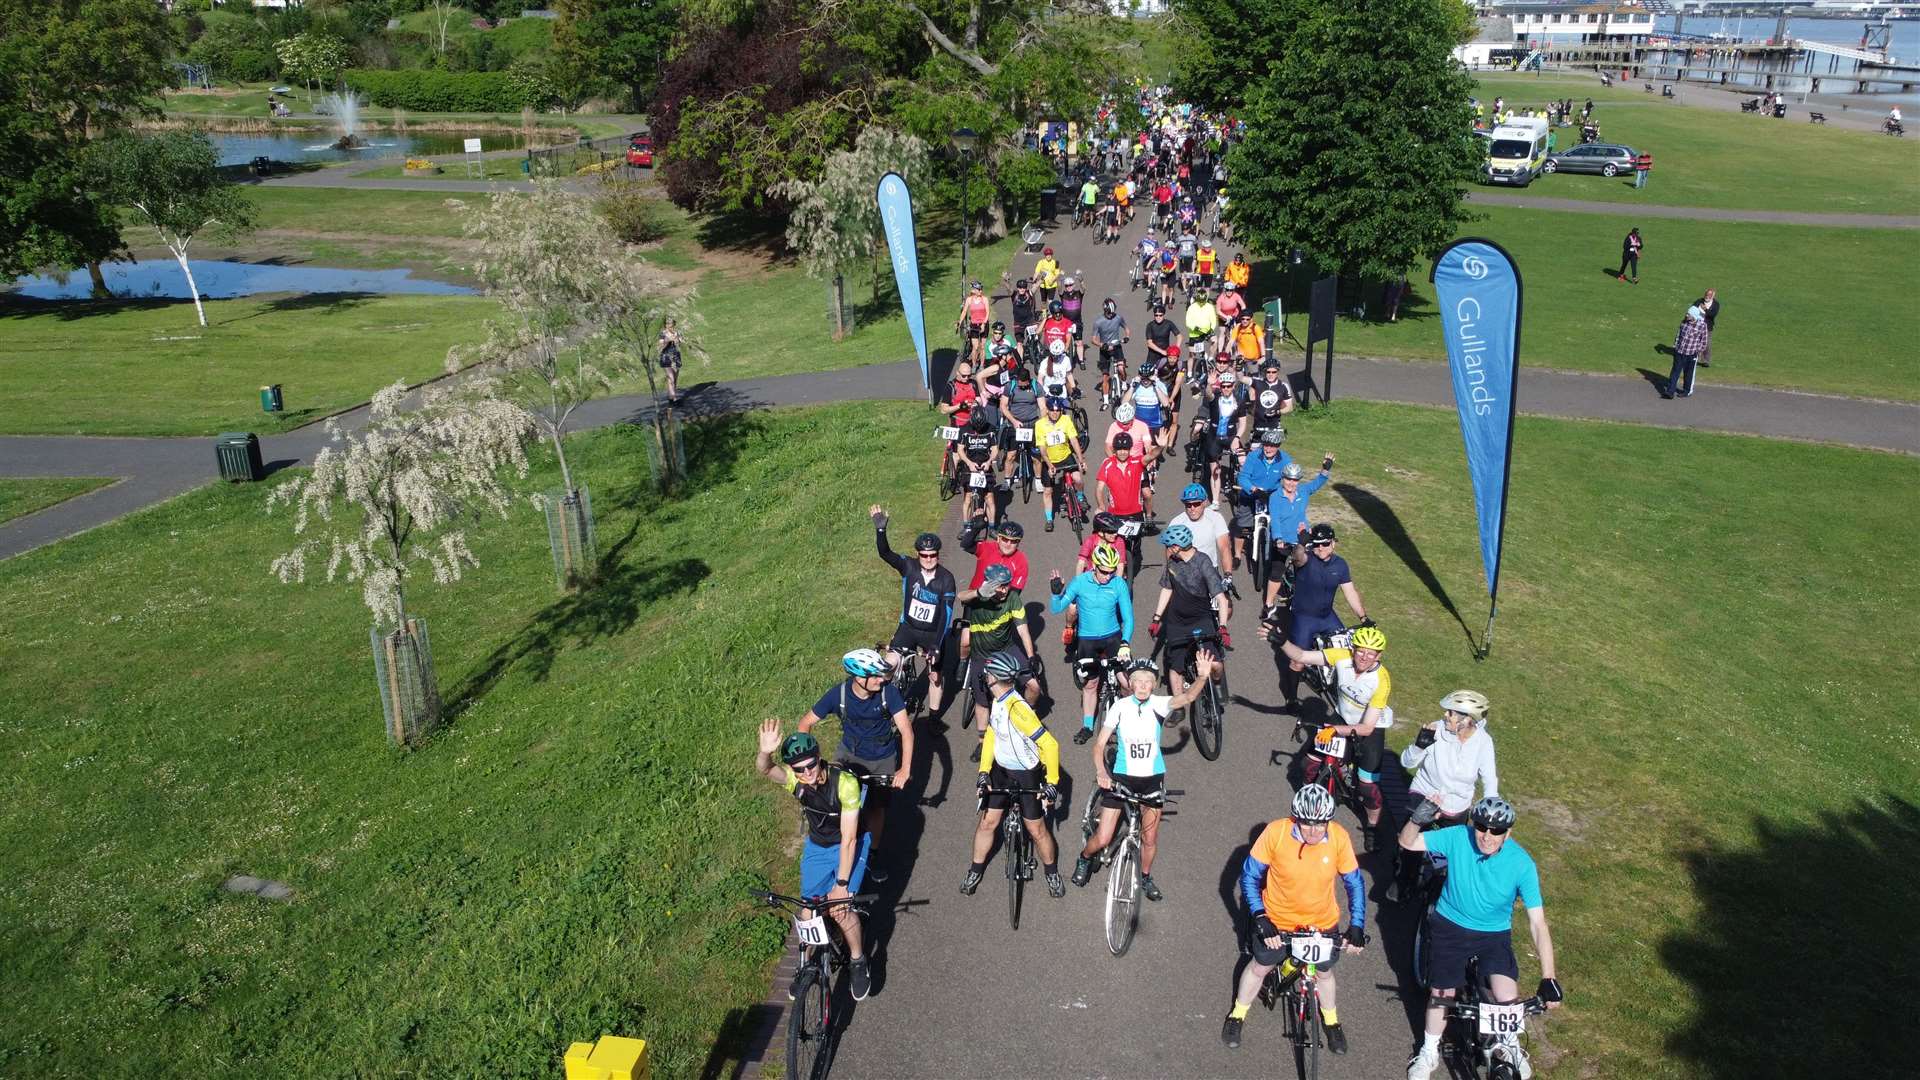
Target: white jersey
[[1206, 534], [1053, 374], [1359, 691], [1136, 727], [1014, 748]]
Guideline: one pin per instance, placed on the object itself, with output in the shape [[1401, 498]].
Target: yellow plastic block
[[579, 1065], [614, 1058]]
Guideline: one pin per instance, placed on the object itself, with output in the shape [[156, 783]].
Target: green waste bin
[[270, 400], [238, 453]]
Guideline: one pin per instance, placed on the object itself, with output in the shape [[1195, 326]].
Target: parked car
[[640, 151], [1607, 159]]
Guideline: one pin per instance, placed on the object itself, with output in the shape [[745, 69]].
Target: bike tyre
[[1261, 550], [1123, 900], [1024, 477], [1016, 857], [1208, 721], [809, 1027], [1315, 1035]]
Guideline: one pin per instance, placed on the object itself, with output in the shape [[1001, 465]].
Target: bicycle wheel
[[1207, 721], [808, 1026], [1313, 1034], [1123, 898], [1260, 551], [1024, 477], [1016, 858]]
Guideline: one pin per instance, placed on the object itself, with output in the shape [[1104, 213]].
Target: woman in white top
[[1449, 756]]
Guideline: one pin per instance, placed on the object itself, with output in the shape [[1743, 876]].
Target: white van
[[1516, 151]]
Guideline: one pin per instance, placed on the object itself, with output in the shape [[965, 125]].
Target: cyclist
[[1005, 551], [1289, 888], [1209, 529], [927, 598], [1019, 411], [1189, 245], [994, 624], [1122, 482], [1002, 354], [1152, 402], [977, 446], [1110, 331], [1239, 272], [1227, 311], [1162, 204], [1206, 262], [1287, 514], [876, 736], [1271, 396], [1365, 716], [1168, 265], [1056, 375], [833, 856], [974, 312], [1315, 580], [1110, 220], [1202, 320], [1249, 341], [962, 395], [1104, 602], [1089, 200], [1073, 303], [1026, 312], [1486, 871], [1123, 198], [1130, 734], [1046, 273], [1193, 600], [1160, 333], [1221, 422], [1146, 255], [1447, 756], [1259, 478], [1017, 751], [1059, 443], [1057, 329]]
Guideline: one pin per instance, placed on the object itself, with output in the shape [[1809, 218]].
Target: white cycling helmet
[[864, 662], [1123, 415], [1470, 702], [1057, 348], [1312, 805]]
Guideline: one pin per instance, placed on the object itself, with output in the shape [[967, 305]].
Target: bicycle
[[1069, 500], [1260, 542], [1208, 713], [1130, 536], [911, 678], [823, 955], [1016, 845], [1475, 1041], [1023, 463], [1300, 994], [1122, 857]]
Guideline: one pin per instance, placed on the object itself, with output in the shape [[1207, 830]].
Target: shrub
[[632, 214], [439, 91], [249, 65]]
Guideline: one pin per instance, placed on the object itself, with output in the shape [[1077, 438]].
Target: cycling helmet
[[1056, 404], [798, 747], [1011, 530], [1057, 348], [1193, 493], [1123, 441], [975, 285], [1159, 309], [927, 541], [1312, 805], [862, 663], [1322, 531], [1273, 436], [1070, 282], [1123, 415], [1046, 251], [999, 327], [997, 576], [1292, 471], [1471, 702], [1002, 668], [1200, 294], [1148, 368], [1269, 364], [1177, 536], [1143, 664], [978, 421], [1173, 352], [1492, 812], [1229, 286], [1105, 558], [1370, 637], [1105, 522], [1109, 306], [1022, 285], [1055, 307]]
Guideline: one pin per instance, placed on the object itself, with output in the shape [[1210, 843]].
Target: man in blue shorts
[[1317, 578], [1486, 871], [833, 857]]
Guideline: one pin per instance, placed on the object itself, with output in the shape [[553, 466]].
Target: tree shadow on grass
[[1380, 518], [1833, 896], [328, 302], [26, 307], [742, 232]]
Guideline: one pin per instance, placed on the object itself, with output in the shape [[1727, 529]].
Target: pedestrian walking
[[1630, 256], [1709, 306], [1688, 344]]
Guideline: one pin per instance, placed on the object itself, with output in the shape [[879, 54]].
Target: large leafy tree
[[1359, 140], [68, 69], [1225, 46], [621, 42]]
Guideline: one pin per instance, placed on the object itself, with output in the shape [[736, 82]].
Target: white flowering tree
[[835, 221], [393, 498]]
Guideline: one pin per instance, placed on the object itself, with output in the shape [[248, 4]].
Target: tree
[[312, 57], [835, 221], [443, 13], [173, 181], [623, 42], [1359, 141], [69, 69]]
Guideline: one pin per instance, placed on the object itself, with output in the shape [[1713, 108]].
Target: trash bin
[[1050, 204], [238, 453], [1780, 111], [262, 165], [270, 400]]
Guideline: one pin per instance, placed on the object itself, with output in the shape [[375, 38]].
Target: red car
[[640, 151]]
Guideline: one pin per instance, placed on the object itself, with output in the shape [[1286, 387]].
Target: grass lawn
[[147, 368], [20, 497], [1811, 308], [570, 858], [371, 212], [1705, 157]]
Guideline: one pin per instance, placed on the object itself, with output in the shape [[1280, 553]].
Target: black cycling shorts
[[908, 636], [1140, 787], [1450, 946], [1000, 778], [1182, 645], [1101, 648]]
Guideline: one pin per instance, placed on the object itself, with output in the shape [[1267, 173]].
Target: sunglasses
[[806, 767], [1497, 832], [1194, 504], [1319, 543], [929, 554]]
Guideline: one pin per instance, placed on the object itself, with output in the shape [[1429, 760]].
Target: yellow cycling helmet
[[1369, 637], [1105, 558]]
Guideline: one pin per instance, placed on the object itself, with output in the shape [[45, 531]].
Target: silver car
[[1607, 159]]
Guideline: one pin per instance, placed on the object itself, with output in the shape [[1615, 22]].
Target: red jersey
[[964, 395], [1123, 484], [1056, 328], [990, 556]]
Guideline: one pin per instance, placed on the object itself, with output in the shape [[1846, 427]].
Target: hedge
[[439, 91]]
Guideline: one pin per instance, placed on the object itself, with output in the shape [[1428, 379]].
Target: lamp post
[[964, 140]]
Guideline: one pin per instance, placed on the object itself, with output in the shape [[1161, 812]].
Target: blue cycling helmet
[[1057, 404], [1177, 536], [998, 576], [1002, 668], [862, 663], [1193, 493]]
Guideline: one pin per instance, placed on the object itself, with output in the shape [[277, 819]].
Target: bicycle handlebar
[[1470, 1010], [773, 899]]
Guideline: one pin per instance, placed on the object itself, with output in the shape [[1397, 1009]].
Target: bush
[[630, 212], [249, 65], [439, 91]]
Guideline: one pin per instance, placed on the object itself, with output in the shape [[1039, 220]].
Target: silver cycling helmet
[[1313, 805], [1492, 812]]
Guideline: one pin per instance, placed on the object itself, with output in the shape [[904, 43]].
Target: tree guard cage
[[666, 451], [570, 534], [409, 692]]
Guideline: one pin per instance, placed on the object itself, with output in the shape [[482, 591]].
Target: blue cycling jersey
[[1259, 474], [1104, 609], [1289, 518], [1480, 889]]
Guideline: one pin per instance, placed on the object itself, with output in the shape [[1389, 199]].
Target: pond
[[316, 144], [220, 279]]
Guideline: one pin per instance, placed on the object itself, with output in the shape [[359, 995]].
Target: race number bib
[[1311, 948], [1139, 750], [1334, 746], [947, 433], [977, 481], [814, 931], [1056, 438], [1503, 1019], [919, 611], [1129, 528], [1023, 435]]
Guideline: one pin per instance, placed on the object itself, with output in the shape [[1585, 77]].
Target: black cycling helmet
[[1055, 307], [1159, 309], [927, 541], [1123, 441], [1320, 532], [999, 327], [1011, 530], [1105, 522], [978, 421], [1108, 305], [1019, 285]]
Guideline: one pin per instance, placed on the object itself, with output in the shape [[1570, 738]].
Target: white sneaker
[[1509, 1049], [1423, 1063]]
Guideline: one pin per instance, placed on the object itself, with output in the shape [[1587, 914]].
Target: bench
[[1750, 106], [1816, 118]]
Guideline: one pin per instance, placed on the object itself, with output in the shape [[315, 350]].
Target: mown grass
[[148, 368], [20, 497], [1804, 307], [570, 858], [374, 211], [1699, 778], [1732, 160]]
